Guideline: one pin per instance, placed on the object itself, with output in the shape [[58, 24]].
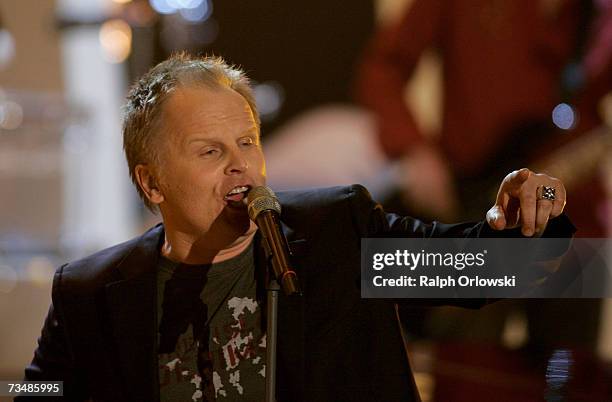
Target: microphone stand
[[280, 271], [264, 209], [271, 341]]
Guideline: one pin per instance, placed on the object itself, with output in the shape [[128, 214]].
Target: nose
[[236, 163]]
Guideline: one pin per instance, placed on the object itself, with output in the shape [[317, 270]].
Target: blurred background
[[429, 103]]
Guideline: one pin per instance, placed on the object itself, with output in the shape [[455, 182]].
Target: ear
[[148, 183]]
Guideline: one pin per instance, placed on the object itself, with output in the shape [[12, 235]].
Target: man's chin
[[236, 214], [237, 220]]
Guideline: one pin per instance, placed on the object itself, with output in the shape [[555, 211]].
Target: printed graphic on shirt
[[211, 346], [179, 375], [238, 350]]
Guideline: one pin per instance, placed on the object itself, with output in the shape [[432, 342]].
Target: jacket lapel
[[132, 308]]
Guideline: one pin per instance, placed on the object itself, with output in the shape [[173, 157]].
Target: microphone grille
[[262, 199], [260, 191]]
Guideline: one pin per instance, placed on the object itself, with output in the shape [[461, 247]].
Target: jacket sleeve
[[370, 220], [53, 358]]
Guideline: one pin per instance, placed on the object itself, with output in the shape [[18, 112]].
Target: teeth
[[237, 190]]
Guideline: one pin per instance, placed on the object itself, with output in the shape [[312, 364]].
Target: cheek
[[190, 185], [196, 199], [259, 163]]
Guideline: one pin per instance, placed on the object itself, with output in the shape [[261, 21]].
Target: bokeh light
[[193, 11], [11, 115], [116, 40], [8, 278], [200, 13], [185, 4], [605, 109], [564, 116], [269, 97], [162, 6], [558, 369], [7, 48], [40, 270]]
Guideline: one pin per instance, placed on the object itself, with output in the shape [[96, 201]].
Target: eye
[[247, 141], [209, 152]]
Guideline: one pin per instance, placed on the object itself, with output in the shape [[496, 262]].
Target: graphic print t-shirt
[[211, 344]]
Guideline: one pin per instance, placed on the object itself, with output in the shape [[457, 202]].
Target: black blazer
[[100, 334]]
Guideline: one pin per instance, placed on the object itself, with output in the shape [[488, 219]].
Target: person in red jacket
[[506, 65], [508, 68]]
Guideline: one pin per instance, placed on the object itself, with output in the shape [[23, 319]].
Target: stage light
[[116, 40], [564, 116]]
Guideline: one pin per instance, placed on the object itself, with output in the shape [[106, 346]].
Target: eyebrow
[[253, 129]]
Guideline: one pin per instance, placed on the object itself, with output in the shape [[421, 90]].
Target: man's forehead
[[205, 93], [222, 100], [199, 108]]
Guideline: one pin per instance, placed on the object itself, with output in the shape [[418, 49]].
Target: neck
[[209, 248]]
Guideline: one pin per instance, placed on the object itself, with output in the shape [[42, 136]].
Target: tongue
[[235, 197]]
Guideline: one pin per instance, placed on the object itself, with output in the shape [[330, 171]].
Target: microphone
[[264, 210]]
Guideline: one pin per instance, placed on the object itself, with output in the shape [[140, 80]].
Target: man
[[175, 314]]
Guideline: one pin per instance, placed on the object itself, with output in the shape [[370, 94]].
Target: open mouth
[[237, 194]]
